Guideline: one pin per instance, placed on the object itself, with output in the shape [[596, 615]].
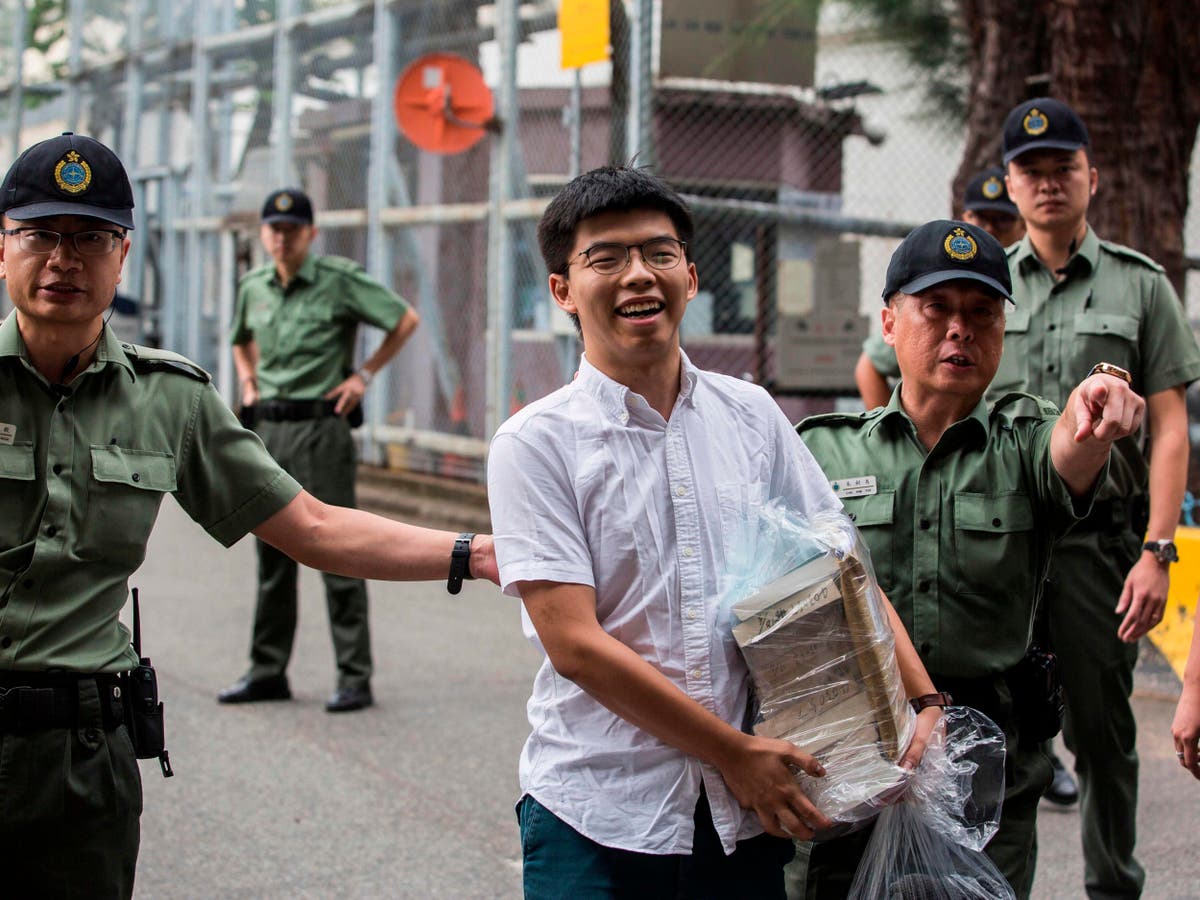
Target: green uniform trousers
[[826, 870], [1087, 573], [318, 453], [70, 799]]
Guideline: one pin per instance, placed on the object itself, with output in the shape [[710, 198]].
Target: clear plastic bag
[[929, 844], [805, 610]]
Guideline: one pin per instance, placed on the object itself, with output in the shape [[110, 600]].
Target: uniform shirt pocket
[[874, 515], [1105, 337], [17, 472], [123, 496], [993, 536], [1012, 374]]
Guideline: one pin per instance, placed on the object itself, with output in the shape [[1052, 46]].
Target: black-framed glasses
[[610, 259], [93, 242]]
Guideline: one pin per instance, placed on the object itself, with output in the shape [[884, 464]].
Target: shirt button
[[57, 469], [1050, 368], [680, 491], [696, 673], [51, 531], [1051, 327], [996, 522], [624, 417], [6, 642], [853, 517], [924, 523], [687, 551], [136, 477], [923, 587]]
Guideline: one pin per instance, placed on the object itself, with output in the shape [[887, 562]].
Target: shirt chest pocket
[[123, 496], [17, 486], [994, 553], [1012, 374], [1105, 337], [874, 516]]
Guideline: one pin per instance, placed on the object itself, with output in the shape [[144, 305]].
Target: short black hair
[[607, 189]]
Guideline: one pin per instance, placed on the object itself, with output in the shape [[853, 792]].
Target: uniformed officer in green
[[293, 339], [960, 502], [93, 433], [985, 203], [1081, 300]]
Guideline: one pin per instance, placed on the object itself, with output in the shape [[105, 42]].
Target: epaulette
[[1045, 409], [265, 270], [1129, 253], [149, 359], [339, 264], [839, 418]]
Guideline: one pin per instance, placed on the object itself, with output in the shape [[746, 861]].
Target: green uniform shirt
[[1114, 305], [305, 333], [960, 537], [882, 356], [82, 474]]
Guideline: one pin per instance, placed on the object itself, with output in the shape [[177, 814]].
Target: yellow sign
[[583, 25], [1173, 635]]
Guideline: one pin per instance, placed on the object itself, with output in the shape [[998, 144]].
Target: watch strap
[[366, 375], [941, 698], [1164, 551], [460, 562]]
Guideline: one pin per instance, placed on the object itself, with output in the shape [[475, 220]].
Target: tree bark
[[1131, 69]]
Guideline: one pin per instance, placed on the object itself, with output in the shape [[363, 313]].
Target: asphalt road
[[413, 798]]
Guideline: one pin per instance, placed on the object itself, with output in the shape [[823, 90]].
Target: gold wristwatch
[[1104, 368]]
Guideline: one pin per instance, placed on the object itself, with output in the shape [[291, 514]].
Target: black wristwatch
[[1164, 551], [941, 698], [460, 562]]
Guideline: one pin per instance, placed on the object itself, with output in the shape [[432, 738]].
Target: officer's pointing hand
[[1106, 409]]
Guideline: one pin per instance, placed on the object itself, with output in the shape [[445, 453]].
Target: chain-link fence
[[803, 145]]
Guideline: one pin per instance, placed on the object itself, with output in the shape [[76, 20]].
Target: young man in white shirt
[[614, 500]]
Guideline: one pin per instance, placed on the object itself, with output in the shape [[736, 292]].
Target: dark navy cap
[[288, 205], [68, 175], [1042, 123], [942, 251], [986, 192]]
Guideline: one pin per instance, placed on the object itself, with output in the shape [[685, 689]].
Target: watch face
[[1164, 551]]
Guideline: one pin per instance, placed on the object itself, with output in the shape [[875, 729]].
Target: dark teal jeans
[[561, 862]]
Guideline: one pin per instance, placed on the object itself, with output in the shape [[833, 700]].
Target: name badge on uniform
[[8, 433], [862, 486]]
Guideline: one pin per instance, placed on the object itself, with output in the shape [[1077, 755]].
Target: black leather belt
[[295, 410], [39, 701]]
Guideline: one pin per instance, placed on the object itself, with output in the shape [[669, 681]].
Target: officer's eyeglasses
[[610, 259], [98, 242]]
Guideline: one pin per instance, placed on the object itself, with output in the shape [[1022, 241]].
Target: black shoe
[[252, 690], [348, 699], [1063, 790]]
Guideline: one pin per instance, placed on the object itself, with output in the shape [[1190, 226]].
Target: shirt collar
[[615, 398], [1086, 255], [110, 348], [306, 273], [895, 411]]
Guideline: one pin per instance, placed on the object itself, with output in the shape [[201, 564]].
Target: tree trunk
[[1131, 69]]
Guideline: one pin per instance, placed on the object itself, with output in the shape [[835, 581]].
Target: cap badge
[[73, 174], [992, 188], [960, 245], [283, 202], [1035, 122]]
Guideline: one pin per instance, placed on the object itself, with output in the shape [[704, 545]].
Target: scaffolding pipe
[[281, 103], [17, 96], [500, 265]]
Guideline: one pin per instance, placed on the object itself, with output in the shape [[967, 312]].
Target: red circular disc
[[442, 103]]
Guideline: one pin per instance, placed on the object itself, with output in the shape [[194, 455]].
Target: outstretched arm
[[1101, 410], [755, 768], [362, 545]]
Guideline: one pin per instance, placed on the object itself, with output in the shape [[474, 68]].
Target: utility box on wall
[[818, 330]]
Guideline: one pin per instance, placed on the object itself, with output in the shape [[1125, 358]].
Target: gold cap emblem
[[992, 188], [960, 245], [73, 174], [1035, 122]]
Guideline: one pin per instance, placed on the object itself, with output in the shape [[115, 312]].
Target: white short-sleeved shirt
[[590, 485]]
